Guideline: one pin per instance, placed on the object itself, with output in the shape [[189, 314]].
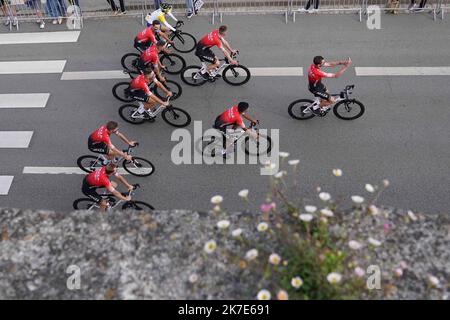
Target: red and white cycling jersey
[[146, 35], [231, 117], [101, 135], [98, 178], [139, 83], [150, 55], [315, 75], [211, 39]]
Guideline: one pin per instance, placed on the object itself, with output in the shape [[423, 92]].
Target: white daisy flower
[[251, 255], [354, 245], [327, 212], [306, 217], [223, 224], [263, 295], [263, 226], [296, 282], [193, 278], [412, 216], [334, 278], [324, 196], [274, 259], [210, 246], [398, 272], [280, 174], [386, 183], [294, 162], [433, 281], [283, 154], [337, 172], [369, 188], [310, 209], [374, 242], [216, 200], [243, 193], [357, 199], [373, 210], [236, 233]]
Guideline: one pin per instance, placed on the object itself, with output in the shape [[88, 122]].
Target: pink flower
[[403, 265], [386, 227], [266, 207]]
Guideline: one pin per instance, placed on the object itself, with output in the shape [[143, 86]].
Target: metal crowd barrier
[[59, 11]]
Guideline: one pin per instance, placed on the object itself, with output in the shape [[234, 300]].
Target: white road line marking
[[402, 71], [5, 184], [39, 37], [118, 74], [94, 75], [24, 100], [27, 67], [59, 170], [276, 72], [15, 139]]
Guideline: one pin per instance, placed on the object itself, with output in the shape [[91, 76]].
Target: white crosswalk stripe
[[60, 170], [24, 100], [15, 139], [30, 67], [39, 37], [5, 184]]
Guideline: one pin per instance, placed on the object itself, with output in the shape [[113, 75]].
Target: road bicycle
[[113, 203], [235, 75], [182, 41], [122, 90], [211, 146], [173, 62], [138, 166], [344, 107], [174, 116]]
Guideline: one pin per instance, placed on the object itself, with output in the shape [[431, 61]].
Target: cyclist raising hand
[[205, 54], [315, 75]]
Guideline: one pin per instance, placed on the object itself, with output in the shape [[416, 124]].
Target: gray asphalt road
[[404, 135]]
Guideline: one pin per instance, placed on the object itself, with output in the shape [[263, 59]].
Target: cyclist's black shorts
[[219, 125], [205, 54], [142, 46], [319, 90], [90, 191], [141, 65], [139, 95], [98, 147]]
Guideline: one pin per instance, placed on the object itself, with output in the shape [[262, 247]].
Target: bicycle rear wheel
[[176, 117], [257, 147], [210, 146], [183, 42], [138, 205], [121, 91], [85, 204], [236, 75], [139, 167], [348, 109], [170, 85], [174, 63], [129, 61], [297, 109], [191, 76], [128, 112], [89, 163]]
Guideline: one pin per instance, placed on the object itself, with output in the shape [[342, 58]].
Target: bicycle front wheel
[[176, 117], [85, 204], [139, 167], [256, 147], [174, 63], [89, 163], [129, 61], [236, 75], [191, 76], [170, 85], [129, 113], [183, 42], [348, 109], [138, 206], [121, 91], [299, 109]]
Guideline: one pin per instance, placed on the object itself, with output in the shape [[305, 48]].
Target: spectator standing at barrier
[[115, 9], [37, 6], [308, 5], [189, 9], [413, 6], [57, 10], [157, 4], [10, 13]]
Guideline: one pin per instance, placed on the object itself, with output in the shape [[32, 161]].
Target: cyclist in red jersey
[[149, 59], [100, 179], [205, 54], [149, 36], [141, 92], [233, 117], [99, 141], [315, 85]]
